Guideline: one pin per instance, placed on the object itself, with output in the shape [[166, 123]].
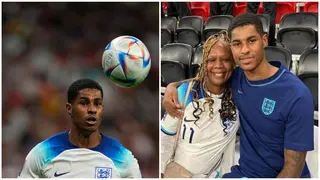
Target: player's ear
[[69, 108], [265, 40]]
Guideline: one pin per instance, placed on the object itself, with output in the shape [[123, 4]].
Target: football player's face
[[247, 47], [86, 110]]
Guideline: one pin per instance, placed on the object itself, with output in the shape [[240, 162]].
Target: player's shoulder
[[112, 148], [112, 142], [292, 83], [57, 140], [44, 152]]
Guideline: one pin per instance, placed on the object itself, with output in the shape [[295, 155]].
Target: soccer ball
[[126, 61]]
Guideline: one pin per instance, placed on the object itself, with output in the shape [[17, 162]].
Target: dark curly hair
[[228, 108]]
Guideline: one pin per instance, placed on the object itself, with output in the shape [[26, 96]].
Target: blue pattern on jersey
[[182, 91], [111, 148]]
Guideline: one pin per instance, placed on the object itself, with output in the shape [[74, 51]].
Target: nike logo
[[185, 120], [240, 92], [57, 175]]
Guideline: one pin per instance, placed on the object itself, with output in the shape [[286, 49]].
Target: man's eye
[[252, 40]]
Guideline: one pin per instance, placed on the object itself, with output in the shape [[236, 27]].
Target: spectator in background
[[269, 8], [221, 8], [178, 9]]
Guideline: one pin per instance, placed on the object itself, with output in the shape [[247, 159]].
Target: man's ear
[[265, 38], [69, 109]]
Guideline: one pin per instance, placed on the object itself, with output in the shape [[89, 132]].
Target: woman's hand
[[171, 103]]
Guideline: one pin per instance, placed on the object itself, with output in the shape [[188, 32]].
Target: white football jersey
[[56, 157], [201, 143]]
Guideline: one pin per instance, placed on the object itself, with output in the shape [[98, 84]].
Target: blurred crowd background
[[47, 46]]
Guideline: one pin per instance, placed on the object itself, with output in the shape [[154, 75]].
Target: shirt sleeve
[[31, 166], [299, 126], [132, 168], [169, 125], [167, 143]]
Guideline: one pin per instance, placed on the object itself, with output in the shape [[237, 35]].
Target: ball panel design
[[126, 61]]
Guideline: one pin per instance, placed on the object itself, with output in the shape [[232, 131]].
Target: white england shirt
[[200, 144], [56, 157]]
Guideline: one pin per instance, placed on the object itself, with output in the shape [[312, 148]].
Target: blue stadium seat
[[168, 28], [215, 24], [278, 54], [189, 30]]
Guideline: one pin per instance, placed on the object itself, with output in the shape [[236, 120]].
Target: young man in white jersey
[[206, 142], [275, 108], [83, 151]]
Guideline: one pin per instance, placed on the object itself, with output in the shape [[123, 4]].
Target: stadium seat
[[172, 71], [239, 8], [311, 81], [301, 19], [189, 30], [162, 108], [196, 60], [278, 54], [308, 72], [297, 40], [168, 28], [311, 7], [162, 81], [265, 19], [200, 9], [216, 24], [308, 62], [284, 8], [177, 52]]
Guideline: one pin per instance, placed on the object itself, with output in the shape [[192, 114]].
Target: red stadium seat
[[311, 7], [284, 8], [164, 7], [239, 8], [260, 9], [200, 9]]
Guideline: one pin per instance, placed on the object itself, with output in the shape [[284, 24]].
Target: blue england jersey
[[275, 113], [57, 157]]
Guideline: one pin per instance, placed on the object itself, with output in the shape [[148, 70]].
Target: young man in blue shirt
[[276, 108]]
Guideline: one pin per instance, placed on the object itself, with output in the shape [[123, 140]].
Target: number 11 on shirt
[[184, 133]]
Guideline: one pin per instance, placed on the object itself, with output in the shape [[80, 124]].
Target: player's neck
[[263, 71], [84, 141]]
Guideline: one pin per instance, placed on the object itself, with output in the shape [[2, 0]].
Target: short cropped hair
[[80, 84], [246, 19]]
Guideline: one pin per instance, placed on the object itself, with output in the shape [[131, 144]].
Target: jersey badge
[[103, 172], [268, 106]]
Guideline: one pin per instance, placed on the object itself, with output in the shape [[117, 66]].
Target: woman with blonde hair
[[202, 143]]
